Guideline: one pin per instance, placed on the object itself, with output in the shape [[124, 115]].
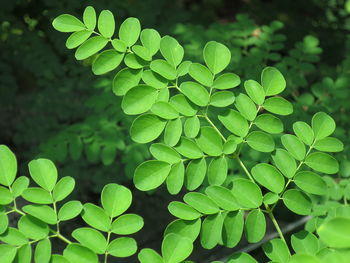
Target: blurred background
[[52, 106]]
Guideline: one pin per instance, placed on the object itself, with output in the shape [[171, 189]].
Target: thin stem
[[274, 221], [213, 125], [64, 238], [108, 239], [245, 169]]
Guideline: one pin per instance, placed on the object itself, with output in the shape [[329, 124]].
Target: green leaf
[[151, 174], [271, 198], [211, 231], [13, 237], [67, 23], [294, 146], [89, 17], [106, 23], [329, 144], [129, 31], [79, 254], [184, 228], [63, 188], [201, 203], [77, 38], [119, 45], [323, 125], [234, 122], [322, 162], [296, 258], [272, 81], [107, 61], [32, 228], [147, 255], [247, 193], [8, 166], [183, 211], [285, 162], [173, 131], [164, 110], [91, 239], [96, 217], [127, 224], [222, 99], [268, 176], [278, 106], [226, 81], [246, 107], [133, 61], [233, 228], [217, 171], [4, 222], [201, 74], [269, 123], [231, 143], [297, 202], [189, 149], [43, 252], [192, 126], [7, 253], [255, 91], [163, 68], [195, 93], [115, 199], [222, 197], [241, 257], [171, 50], [5, 196], [209, 141], [304, 132], [37, 195], [176, 248], [44, 173], [139, 99], [125, 80], [335, 232], [164, 153], [255, 226], [310, 182], [122, 247], [154, 79], [142, 52], [70, 210], [276, 250], [175, 179], [261, 141], [195, 173], [217, 56], [146, 128], [150, 39], [19, 185], [90, 47], [43, 212], [182, 105], [24, 254], [183, 68], [305, 242]]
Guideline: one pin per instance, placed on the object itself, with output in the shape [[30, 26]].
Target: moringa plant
[[203, 138]]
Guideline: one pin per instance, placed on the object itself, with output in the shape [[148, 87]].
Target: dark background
[[52, 106]]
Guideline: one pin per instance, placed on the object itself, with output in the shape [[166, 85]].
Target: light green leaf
[[163, 68], [255, 91], [191, 127], [127, 224], [37, 195], [129, 31], [5, 196], [322, 162], [77, 38], [89, 17], [217, 171], [8, 166], [183, 211], [304, 132], [323, 125], [222, 99], [7, 253], [195, 173], [278, 106], [268, 176], [271, 198], [119, 45], [231, 143], [201, 74], [147, 255], [164, 110], [246, 107], [175, 179], [70, 210], [154, 79], [234, 122], [255, 226], [247, 193], [272, 81], [226, 81], [171, 50], [310, 182], [107, 61], [211, 230], [142, 52], [335, 232], [13, 237], [91, 239], [276, 250], [133, 61], [125, 80], [241, 257], [146, 128], [195, 93], [44, 173], [285, 162], [106, 23], [4, 222], [189, 149], [201, 203], [222, 197], [90, 47], [184, 228], [96, 217], [43, 212], [63, 188], [19, 185], [33, 228], [233, 228], [43, 252], [115, 199], [209, 141], [151, 174], [173, 131], [305, 258], [305, 242], [79, 254], [139, 99], [24, 254], [269, 123], [297, 202], [329, 144], [150, 39], [176, 248], [183, 68], [67, 23], [164, 153], [261, 141], [294, 146], [217, 56]]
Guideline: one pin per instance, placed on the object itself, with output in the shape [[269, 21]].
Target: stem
[[63, 238], [274, 221], [245, 169], [213, 125]]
